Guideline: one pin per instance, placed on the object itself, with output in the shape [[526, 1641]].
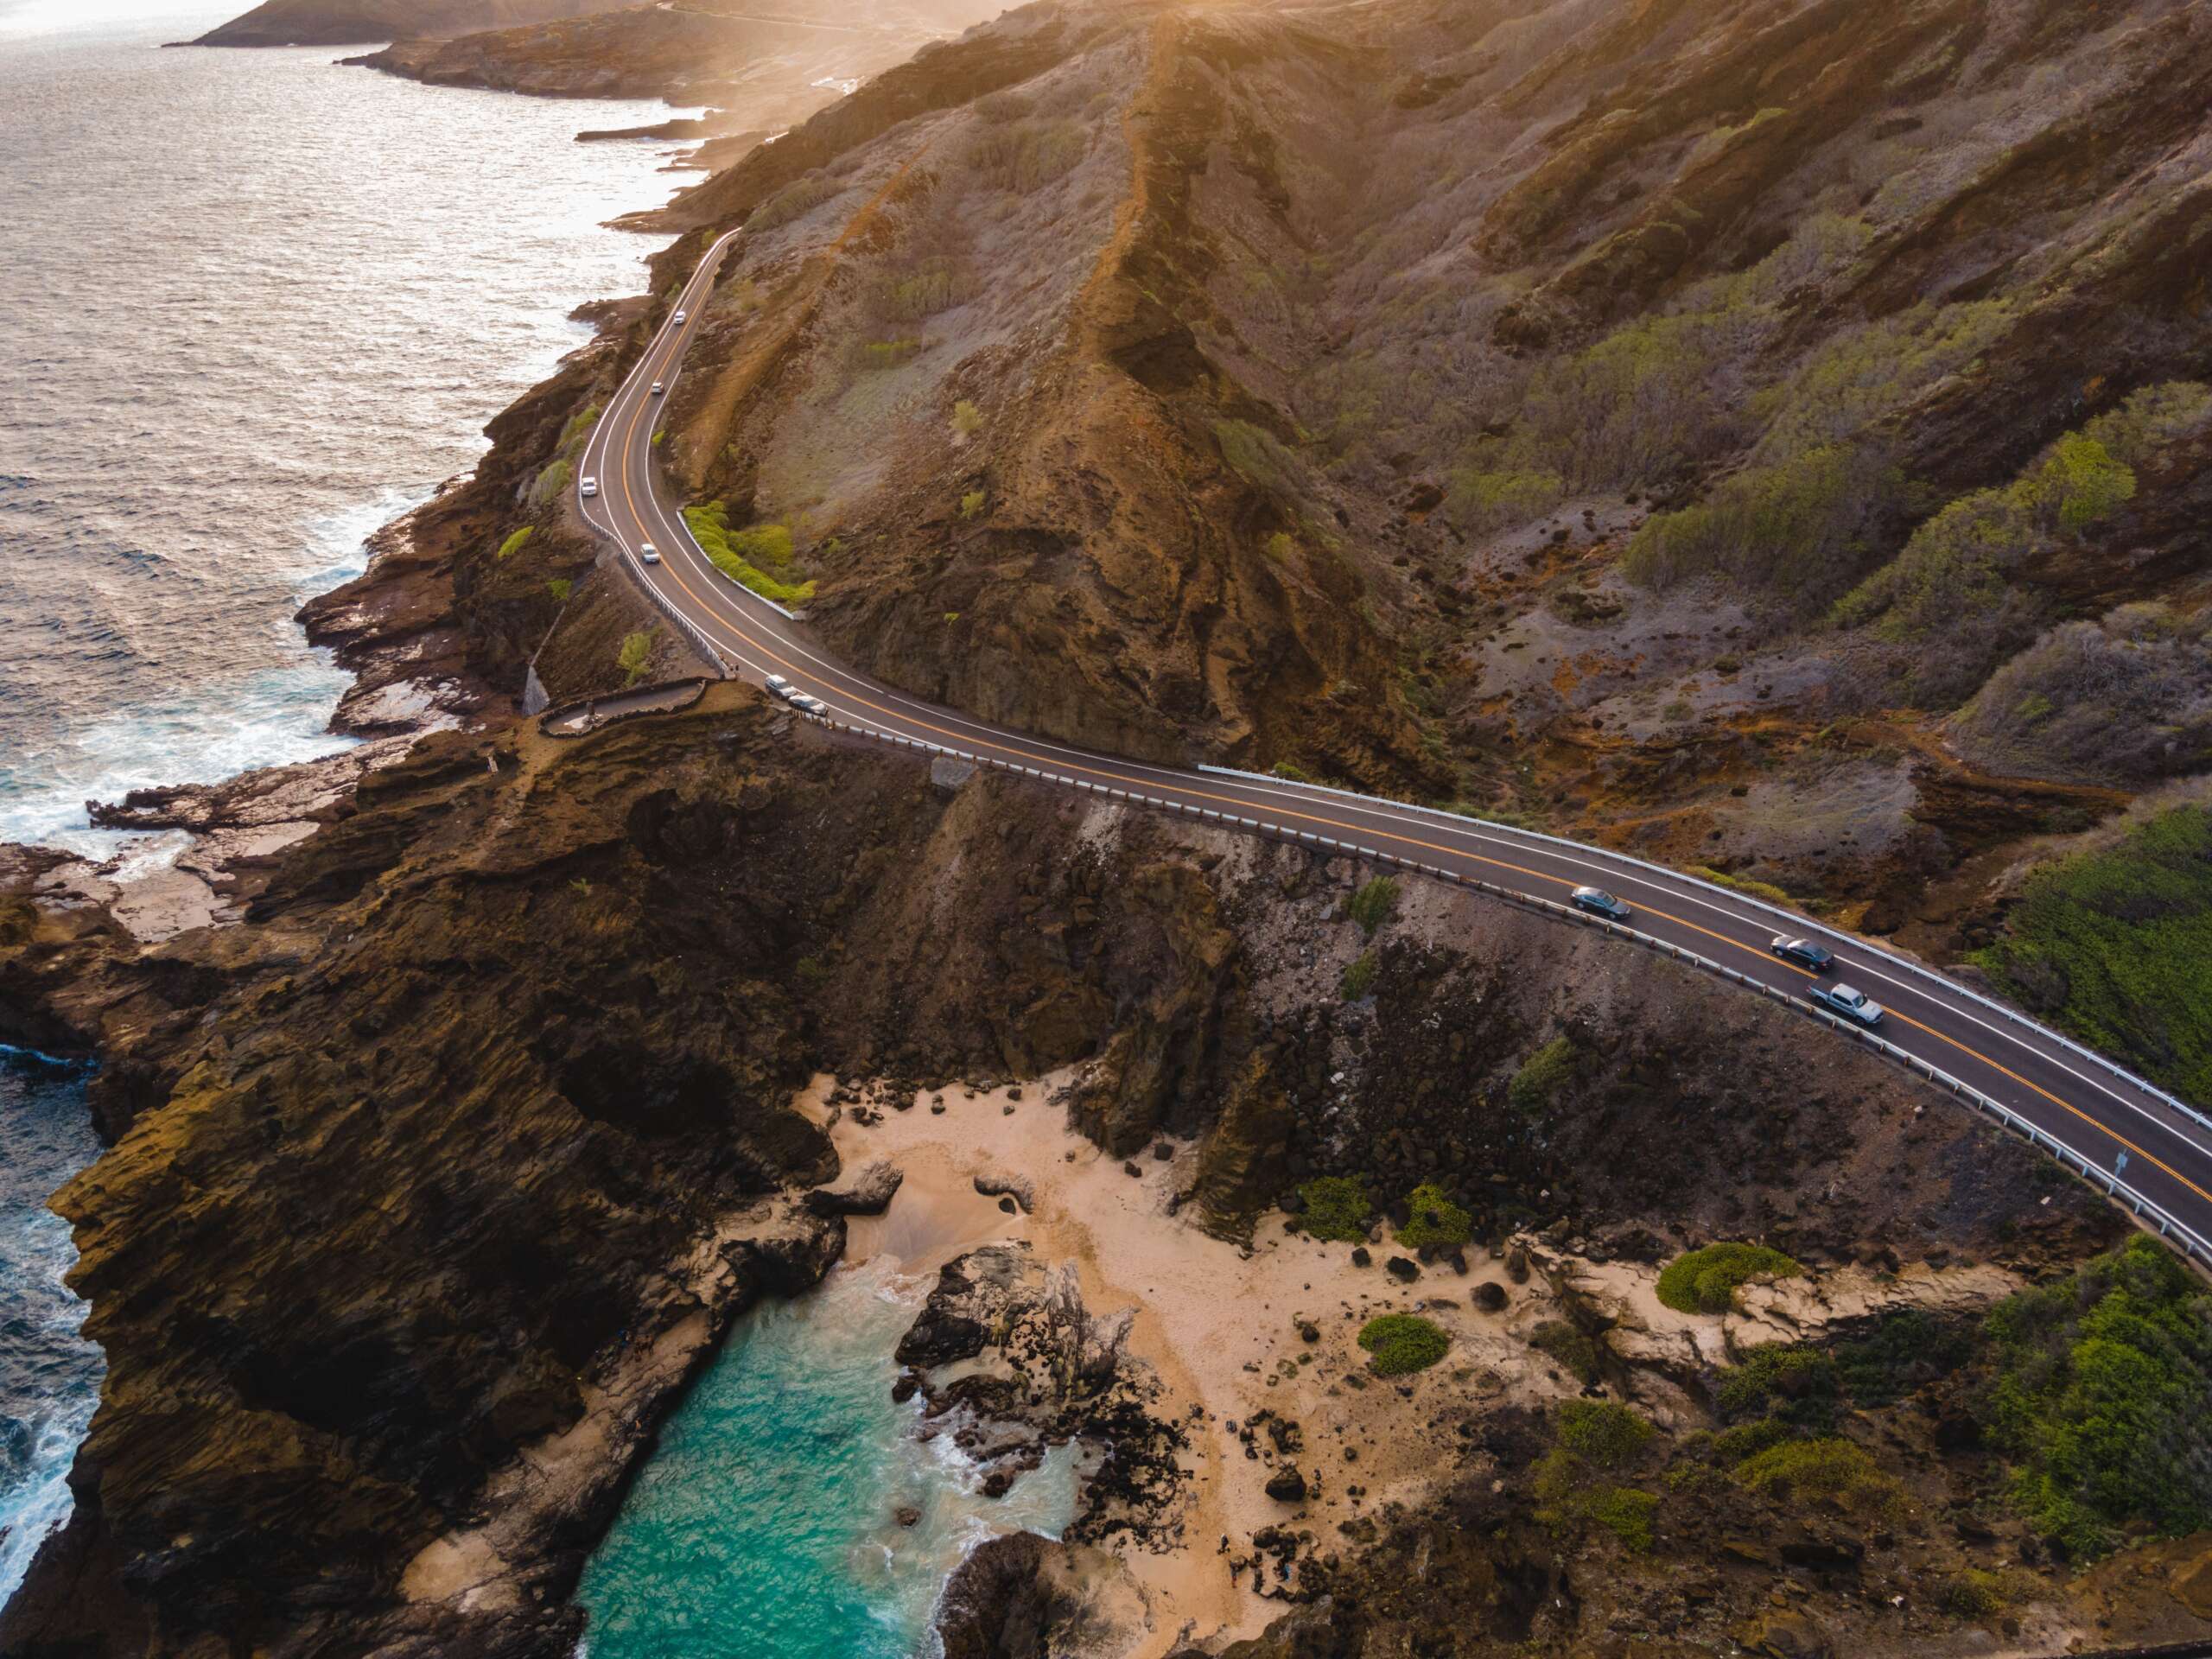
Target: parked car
[[590, 486], [1807, 955], [1854, 1005], [1599, 902], [779, 686], [648, 552], [679, 317], [807, 705], [659, 388]]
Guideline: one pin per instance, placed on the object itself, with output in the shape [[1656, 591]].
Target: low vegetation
[[1401, 1343], [1825, 1470], [1337, 1207], [2115, 947], [1026, 153], [635, 655], [514, 541], [1373, 904], [1595, 1441], [1541, 1076], [751, 558], [967, 419], [1572, 1349], [794, 201], [1433, 1222], [1358, 976], [560, 588], [1705, 1281], [2103, 1387], [548, 484]]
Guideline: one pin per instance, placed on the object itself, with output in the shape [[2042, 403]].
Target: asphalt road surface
[[2116, 1124]]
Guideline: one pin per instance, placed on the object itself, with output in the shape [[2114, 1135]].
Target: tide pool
[[764, 1525]]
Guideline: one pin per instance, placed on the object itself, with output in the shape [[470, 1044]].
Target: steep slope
[[1662, 420]]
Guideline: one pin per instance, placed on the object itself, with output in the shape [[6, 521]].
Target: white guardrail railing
[[692, 631], [1798, 921], [2144, 1209]]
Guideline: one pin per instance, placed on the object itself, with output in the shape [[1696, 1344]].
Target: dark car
[[1854, 1005], [1804, 952], [1599, 902]]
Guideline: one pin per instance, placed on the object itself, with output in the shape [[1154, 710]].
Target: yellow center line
[[739, 626]]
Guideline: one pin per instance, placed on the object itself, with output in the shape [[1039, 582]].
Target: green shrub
[[514, 541], [1337, 1207], [1794, 1382], [1481, 501], [560, 588], [1975, 1593], [2115, 948], [1624, 1511], [1829, 1469], [932, 284], [2103, 1388], [578, 428], [1906, 1350], [740, 555], [1025, 154], [1766, 890], [967, 419], [795, 200], [1373, 904], [1603, 1433], [1574, 1350], [1434, 1222], [635, 655], [1358, 976], [1280, 547], [1541, 1076], [1401, 1343], [1259, 458], [875, 355], [550, 482], [972, 503], [1292, 771], [1705, 1281], [1748, 1440]]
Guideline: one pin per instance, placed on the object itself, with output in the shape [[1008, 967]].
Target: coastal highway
[[2125, 1131]]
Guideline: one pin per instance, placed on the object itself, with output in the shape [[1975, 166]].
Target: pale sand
[[1218, 1323]]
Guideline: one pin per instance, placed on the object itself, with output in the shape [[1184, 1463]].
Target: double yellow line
[[892, 718]]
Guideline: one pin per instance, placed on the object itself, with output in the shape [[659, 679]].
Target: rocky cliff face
[[1579, 410]]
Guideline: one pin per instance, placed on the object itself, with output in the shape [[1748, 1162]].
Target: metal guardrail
[[724, 668], [2193, 1245], [1796, 920]]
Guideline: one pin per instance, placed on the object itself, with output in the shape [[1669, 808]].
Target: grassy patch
[[636, 652], [795, 200], [1572, 1350], [1744, 884], [1705, 1281], [1748, 1440], [1435, 1221], [1541, 1076], [550, 482], [972, 503], [967, 419], [1596, 1439], [2115, 947], [747, 556], [514, 542], [1907, 1349], [1791, 1381], [560, 588], [1358, 976], [1399, 1343], [1827, 1469], [2103, 1388], [1337, 1207], [1373, 904]]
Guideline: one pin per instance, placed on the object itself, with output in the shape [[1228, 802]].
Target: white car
[[649, 553], [679, 317], [807, 705], [659, 388], [589, 488], [780, 687], [1850, 1003]]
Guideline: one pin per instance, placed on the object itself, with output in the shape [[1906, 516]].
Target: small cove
[[767, 1522]]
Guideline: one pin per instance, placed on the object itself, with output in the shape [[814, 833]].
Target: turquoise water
[[762, 1528]]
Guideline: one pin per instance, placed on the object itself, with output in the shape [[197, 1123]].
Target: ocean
[[254, 304]]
